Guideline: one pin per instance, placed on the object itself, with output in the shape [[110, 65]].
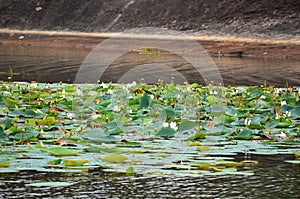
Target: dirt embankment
[[219, 17], [266, 20]]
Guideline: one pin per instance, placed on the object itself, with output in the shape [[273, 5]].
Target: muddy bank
[[216, 46], [251, 18]]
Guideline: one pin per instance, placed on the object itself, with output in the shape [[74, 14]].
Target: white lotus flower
[[104, 85], [34, 85], [133, 84], [262, 97], [63, 92], [78, 91], [116, 108], [5, 93], [287, 114], [173, 125], [70, 115], [247, 122], [109, 91], [94, 116], [282, 135], [282, 103]]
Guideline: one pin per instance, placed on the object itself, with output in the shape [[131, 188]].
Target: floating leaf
[[293, 161], [204, 148], [198, 135], [3, 136], [4, 164], [75, 162], [129, 144], [55, 162], [115, 158], [61, 151], [203, 165], [166, 132], [249, 162], [130, 171], [245, 134], [296, 153], [49, 184], [186, 125], [227, 163]]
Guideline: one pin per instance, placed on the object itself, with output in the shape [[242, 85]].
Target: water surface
[[45, 64]]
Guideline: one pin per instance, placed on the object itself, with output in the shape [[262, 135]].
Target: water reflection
[[47, 64]]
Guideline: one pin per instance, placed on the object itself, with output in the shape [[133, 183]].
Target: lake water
[[273, 177], [26, 63]]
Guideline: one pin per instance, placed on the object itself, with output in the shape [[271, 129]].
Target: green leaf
[[145, 101], [130, 171], [61, 151], [213, 100], [186, 125], [90, 100], [4, 164], [296, 112], [166, 132], [95, 149], [115, 158], [129, 144], [245, 134], [3, 136], [49, 184], [55, 162], [75, 162], [198, 135]]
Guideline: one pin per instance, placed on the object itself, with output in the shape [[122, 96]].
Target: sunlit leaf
[[130, 171], [75, 162]]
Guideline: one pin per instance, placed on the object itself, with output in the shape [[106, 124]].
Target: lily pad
[[115, 158], [49, 184], [75, 162], [61, 151]]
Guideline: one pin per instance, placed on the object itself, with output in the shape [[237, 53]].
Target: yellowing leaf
[[204, 148], [75, 162], [4, 164], [115, 158]]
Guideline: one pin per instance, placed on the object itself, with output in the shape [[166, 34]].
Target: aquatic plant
[[145, 129]]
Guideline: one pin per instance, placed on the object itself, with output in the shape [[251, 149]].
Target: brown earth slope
[[218, 17]]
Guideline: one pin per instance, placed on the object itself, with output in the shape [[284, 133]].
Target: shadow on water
[[45, 64]]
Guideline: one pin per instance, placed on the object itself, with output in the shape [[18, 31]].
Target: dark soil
[[245, 18]]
